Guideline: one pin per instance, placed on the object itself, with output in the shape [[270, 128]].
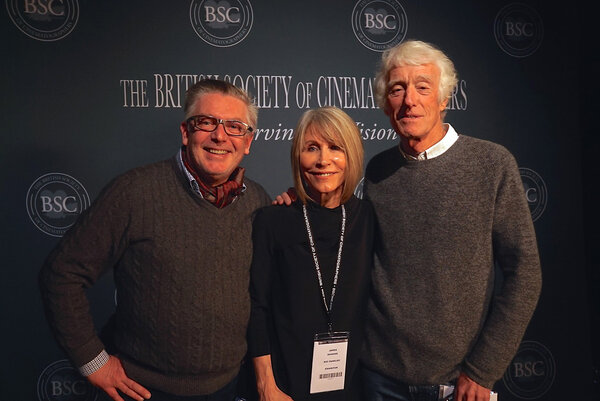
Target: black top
[[287, 306]]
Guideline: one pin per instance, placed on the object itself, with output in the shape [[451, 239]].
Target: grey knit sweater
[[181, 269], [443, 223]]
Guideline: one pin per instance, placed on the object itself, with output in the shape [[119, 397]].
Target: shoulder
[[278, 213], [361, 211], [275, 221], [144, 173], [384, 164], [484, 149], [359, 205], [487, 161], [256, 191], [136, 181]]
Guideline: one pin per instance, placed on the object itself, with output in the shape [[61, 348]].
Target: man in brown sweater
[[178, 235]]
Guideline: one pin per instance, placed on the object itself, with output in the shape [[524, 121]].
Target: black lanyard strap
[[328, 308]]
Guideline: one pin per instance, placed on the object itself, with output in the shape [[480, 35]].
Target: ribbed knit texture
[[442, 222], [181, 269]]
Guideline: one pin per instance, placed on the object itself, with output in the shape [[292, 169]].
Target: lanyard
[[329, 307]]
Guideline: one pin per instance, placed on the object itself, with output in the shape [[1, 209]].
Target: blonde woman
[[311, 269]]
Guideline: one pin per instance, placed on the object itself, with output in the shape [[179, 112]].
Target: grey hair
[[206, 86], [415, 52]]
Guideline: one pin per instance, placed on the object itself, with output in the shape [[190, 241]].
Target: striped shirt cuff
[[94, 364]]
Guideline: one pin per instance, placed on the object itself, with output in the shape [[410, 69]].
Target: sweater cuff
[[95, 364], [478, 376]]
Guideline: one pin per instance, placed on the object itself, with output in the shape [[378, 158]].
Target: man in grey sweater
[[449, 207], [178, 235]]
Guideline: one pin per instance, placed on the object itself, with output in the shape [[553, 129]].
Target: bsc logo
[[221, 23], [535, 192], [379, 24], [518, 29], [60, 381], [531, 372], [54, 202], [45, 20]]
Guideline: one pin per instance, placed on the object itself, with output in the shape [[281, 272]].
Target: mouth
[[322, 174], [216, 151]]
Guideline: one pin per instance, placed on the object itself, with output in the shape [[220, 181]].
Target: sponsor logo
[[222, 23], [45, 20], [54, 202], [60, 381], [518, 29], [535, 192], [531, 372], [379, 24]]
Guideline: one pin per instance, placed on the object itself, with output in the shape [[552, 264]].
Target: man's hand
[[286, 198], [467, 390], [111, 377]]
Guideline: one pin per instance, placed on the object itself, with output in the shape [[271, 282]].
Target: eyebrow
[[419, 78], [224, 119]]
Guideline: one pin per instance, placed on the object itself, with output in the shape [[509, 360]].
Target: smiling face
[[323, 166], [414, 107], [214, 155]]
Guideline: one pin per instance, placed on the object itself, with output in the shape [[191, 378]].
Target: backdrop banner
[[94, 88]]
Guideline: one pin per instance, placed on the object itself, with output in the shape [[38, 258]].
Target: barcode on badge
[[330, 375]]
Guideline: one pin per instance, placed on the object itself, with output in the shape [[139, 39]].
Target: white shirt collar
[[436, 150]]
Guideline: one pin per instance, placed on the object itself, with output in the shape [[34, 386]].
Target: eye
[[236, 125], [336, 148], [396, 91], [204, 121]]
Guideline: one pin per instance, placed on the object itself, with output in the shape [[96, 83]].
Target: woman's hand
[[273, 393], [265, 381]]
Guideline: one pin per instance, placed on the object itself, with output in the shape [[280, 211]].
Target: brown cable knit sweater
[[181, 269]]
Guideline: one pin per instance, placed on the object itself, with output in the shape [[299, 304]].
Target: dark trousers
[[378, 387], [227, 393]]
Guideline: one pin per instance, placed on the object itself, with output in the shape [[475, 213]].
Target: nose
[[219, 134], [410, 96], [324, 157]]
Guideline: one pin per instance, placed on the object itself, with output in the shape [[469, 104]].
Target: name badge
[[329, 362]]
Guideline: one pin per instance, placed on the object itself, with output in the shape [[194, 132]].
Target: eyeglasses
[[209, 124]]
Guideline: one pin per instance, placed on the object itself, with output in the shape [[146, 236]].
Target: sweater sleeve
[[91, 247], [261, 273], [516, 255]]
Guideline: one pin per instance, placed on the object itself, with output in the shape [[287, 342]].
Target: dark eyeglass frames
[[209, 124]]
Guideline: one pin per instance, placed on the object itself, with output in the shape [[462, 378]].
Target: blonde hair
[[337, 127]]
